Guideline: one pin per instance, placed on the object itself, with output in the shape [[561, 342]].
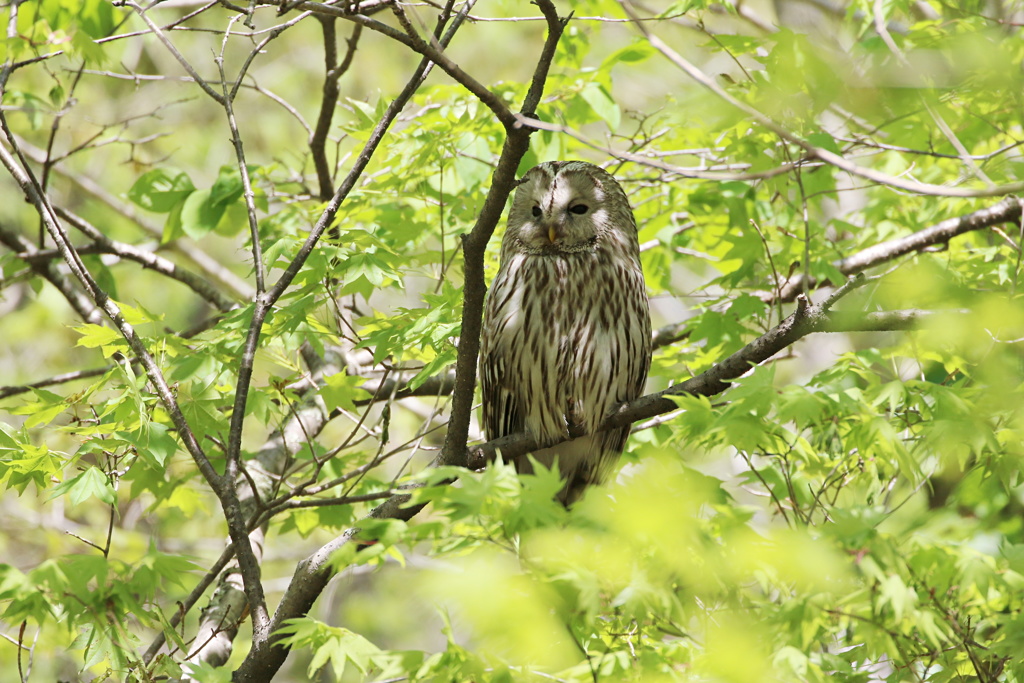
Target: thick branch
[[806, 320]]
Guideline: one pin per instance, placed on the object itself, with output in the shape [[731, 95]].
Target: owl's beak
[[552, 233]]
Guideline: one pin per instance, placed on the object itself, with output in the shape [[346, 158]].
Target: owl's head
[[563, 207]]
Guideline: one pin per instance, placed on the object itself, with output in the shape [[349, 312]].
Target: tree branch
[[428, 50], [199, 258], [1006, 211], [333, 71], [149, 260], [811, 149], [806, 319], [312, 574], [158, 32]]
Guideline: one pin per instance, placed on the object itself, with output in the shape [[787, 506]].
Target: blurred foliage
[[852, 512]]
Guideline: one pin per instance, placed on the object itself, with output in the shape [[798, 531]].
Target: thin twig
[[162, 37], [428, 50], [811, 149]]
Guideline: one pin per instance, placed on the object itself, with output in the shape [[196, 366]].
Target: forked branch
[[312, 574]]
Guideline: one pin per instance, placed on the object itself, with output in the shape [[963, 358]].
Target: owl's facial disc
[[560, 217]]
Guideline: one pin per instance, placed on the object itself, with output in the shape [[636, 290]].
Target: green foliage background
[[852, 511]]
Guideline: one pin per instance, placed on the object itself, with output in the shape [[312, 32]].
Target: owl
[[566, 330]]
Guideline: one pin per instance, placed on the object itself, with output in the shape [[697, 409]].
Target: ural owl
[[566, 330]]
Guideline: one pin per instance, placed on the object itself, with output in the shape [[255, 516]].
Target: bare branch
[[333, 71], [428, 50], [149, 260], [228, 102], [158, 32], [7, 391]]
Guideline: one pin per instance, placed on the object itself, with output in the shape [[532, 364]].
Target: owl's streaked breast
[[567, 331]]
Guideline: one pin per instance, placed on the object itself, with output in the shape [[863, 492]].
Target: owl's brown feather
[[567, 332]]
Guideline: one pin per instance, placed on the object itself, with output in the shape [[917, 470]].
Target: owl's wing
[[634, 358], [502, 414], [640, 313]]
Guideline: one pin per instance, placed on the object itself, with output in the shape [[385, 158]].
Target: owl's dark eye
[[536, 212], [579, 209]]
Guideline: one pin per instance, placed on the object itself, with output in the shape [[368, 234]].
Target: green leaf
[[636, 53], [161, 189], [825, 141], [900, 597], [93, 482], [342, 390], [603, 105], [172, 226], [683, 6], [364, 273], [203, 210], [154, 443], [200, 214], [228, 187], [94, 336], [98, 18], [337, 646], [471, 165], [43, 410]]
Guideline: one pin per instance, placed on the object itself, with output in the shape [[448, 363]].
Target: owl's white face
[[558, 208]]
